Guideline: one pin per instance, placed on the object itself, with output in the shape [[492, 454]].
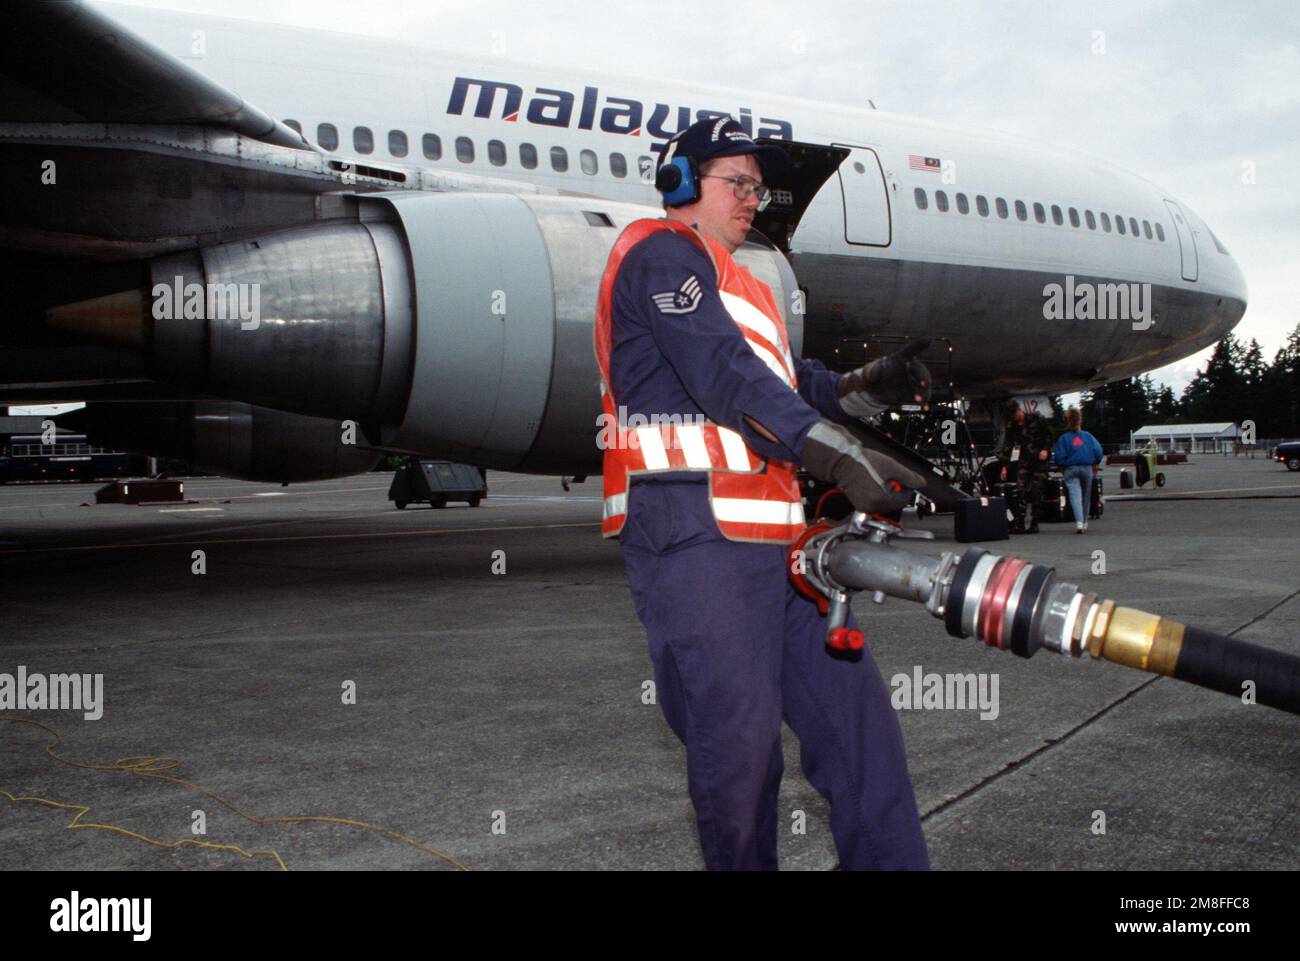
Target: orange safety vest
[[754, 499]]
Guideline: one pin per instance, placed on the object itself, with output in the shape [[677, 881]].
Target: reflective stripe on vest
[[752, 498]]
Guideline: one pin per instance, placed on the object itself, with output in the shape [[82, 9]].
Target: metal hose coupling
[[1015, 605]]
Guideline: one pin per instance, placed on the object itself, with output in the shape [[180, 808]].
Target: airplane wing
[[63, 61]]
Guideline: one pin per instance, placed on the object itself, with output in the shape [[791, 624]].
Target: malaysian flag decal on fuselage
[[917, 162]]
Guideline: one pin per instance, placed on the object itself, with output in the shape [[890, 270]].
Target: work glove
[[867, 477], [895, 380]]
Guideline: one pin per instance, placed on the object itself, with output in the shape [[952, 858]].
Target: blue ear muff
[[678, 182]]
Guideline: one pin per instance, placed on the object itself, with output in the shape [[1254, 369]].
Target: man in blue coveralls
[[735, 648]]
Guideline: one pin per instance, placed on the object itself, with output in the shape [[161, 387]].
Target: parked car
[[1289, 454]]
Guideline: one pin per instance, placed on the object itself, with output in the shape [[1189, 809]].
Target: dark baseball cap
[[707, 140]]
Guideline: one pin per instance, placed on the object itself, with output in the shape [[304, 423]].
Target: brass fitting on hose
[[1135, 638]]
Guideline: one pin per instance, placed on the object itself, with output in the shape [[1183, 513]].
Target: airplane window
[[922, 202], [1105, 222], [963, 205], [1002, 208], [1119, 224], [432, 145], [293, 125], [559, 159], [528, 156], [1074, 217], [327, 136], [1160, 232], [1133, 225], [1092, 221], [496, 153], [646, 166], [941, 201], [465, 150], [1021, 212], [1056, 215], [982, 205], [397, 143], [618, 165], [1039, 213], [1146, 229], [363, 140], [587, 160]]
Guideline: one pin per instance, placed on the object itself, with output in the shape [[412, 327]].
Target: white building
[[1190, 438]]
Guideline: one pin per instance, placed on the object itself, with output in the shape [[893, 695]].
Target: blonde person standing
[[1077, 453]]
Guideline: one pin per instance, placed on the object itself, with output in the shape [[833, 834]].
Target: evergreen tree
[[1115, 410], [1165, 407], [1278, 397], [1219, 393]]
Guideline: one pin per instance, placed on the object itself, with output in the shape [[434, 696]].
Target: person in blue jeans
[[1077, 453]]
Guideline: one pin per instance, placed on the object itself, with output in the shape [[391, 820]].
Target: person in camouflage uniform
[[1025, 447]]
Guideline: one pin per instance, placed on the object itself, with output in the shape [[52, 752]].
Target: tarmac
[[470, 684]]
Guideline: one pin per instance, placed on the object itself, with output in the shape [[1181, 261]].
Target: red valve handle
[[845, 639]]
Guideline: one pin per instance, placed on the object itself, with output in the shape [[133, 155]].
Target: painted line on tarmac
[[301, 537], [1241, 492]]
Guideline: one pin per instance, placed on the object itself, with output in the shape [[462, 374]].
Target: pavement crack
[[1017, 763]]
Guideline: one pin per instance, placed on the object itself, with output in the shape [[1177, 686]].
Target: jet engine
[[453, 325]]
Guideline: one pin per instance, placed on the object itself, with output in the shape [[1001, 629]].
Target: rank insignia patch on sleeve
[[683, 300]]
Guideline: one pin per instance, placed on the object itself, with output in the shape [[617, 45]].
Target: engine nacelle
[[455, 325]]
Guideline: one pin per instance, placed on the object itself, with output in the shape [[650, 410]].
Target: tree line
[[1235, 385]]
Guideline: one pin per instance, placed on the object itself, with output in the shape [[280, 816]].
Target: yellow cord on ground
[[148, 766]]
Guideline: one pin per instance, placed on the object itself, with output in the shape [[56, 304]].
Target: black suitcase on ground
[[1009, 492], [1054, 506], [981, 519]]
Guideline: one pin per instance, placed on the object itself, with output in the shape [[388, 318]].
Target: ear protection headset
[[679, 182]]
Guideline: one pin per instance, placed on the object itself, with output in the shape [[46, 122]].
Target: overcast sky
[[1186, 94]]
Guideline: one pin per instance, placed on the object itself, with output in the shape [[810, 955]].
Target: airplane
[[239, 241]]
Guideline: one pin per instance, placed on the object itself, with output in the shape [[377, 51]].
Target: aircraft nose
[[1235, 296]]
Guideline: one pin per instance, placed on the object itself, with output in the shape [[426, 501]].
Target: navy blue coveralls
[[735, 648]]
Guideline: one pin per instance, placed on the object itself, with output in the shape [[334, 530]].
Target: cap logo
[[717, 127]]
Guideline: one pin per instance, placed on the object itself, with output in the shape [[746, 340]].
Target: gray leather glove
[[896, 380], [867, 477]]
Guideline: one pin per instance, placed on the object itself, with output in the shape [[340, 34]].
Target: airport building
[[1190, 438]]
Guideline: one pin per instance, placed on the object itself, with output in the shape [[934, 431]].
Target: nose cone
[[1221, 276], [1230, 284], [1235, 285]]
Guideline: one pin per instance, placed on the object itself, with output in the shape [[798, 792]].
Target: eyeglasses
[[743, 186]]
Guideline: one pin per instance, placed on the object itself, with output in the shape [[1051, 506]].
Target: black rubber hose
[[1224, 664]]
